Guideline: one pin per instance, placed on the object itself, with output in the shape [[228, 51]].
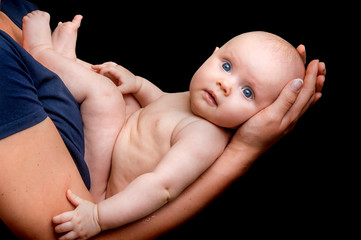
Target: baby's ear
[[215, 50]]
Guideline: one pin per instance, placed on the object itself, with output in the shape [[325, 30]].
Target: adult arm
[[249, 142], [36, 170]]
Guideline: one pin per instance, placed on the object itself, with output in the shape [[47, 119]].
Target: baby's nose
[[225, 87]]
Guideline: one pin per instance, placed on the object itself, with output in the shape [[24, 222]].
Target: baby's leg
[[64, 37], [37, 33], [37, 41], [102, 105]]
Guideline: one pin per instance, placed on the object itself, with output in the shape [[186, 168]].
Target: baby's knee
[[105, 99]]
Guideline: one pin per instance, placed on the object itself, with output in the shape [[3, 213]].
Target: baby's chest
[[148, 134], [145, 138]]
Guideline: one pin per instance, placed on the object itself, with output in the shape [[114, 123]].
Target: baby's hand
[[82, 223], [123, 78]]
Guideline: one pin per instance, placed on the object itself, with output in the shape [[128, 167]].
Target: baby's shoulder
[[198, 135], [201, 130]]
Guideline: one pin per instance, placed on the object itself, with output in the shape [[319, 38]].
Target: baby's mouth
[[210, 97]]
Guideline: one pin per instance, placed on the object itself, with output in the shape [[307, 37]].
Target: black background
[[299, 188]]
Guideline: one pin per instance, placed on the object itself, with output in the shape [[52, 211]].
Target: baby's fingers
[[103, 65], [96, 67], [101, 68], [62, 218], [65, 227], [69, 236], [74, 199]]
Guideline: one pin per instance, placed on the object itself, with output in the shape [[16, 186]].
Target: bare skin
[[64, 37], [142, 166], [99, 110], [251, 140]]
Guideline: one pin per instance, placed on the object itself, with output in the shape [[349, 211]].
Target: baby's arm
[[143, 90], [186, 160], [181, 166], [80, 223]]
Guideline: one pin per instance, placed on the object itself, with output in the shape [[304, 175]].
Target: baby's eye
[[247, 92], [226, 66]]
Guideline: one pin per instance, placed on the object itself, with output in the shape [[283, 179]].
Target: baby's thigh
[[104, 105], [103, 115]]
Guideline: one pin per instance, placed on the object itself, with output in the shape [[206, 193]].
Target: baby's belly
[[134, 153], [127, 164]]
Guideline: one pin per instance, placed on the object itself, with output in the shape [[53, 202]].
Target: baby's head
[[242, 77]]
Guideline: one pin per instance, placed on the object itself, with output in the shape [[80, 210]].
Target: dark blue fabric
[[29, 93], [17, 9]]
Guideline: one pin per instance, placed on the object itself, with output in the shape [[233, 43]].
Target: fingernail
[[324, 68], [297, 84]]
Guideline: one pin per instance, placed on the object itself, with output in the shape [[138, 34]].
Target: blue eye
[[226, 66], [247, 92]]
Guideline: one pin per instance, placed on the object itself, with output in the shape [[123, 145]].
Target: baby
[[159, 144]]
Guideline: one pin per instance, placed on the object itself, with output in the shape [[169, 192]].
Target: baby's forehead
[[266, 41], [256, 50]]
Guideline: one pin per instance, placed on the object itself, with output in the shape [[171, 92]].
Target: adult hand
[[272, 123]]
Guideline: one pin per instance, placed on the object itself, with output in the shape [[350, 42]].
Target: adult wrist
[[237, 158]]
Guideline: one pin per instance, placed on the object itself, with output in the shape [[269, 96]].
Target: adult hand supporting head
[[272, 123]]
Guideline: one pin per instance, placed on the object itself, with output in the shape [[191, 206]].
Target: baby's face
[[237, 81]]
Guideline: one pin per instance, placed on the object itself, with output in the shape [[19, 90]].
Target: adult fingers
[[321, 68], [302, 51], [320, 76], [319, 83], [307, 93], [286, 99]]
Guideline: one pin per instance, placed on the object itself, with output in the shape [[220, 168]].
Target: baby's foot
[[65, 36], [36, 32]]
